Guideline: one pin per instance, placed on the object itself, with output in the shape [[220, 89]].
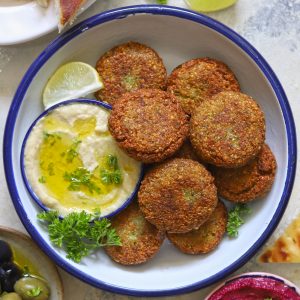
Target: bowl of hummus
[[256, 286], [71, 163]]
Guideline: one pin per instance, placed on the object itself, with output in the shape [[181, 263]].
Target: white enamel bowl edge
[[177, 35]]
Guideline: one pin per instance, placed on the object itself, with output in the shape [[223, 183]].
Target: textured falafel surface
[[207, 237], [178, 195], [228, 130], [249, 182], [129, 67], [199, 79], [149, 125], [140, 239]]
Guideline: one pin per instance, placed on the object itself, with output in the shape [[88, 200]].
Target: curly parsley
[[81, 177], [235, 218], [77, 235], [111, 174]]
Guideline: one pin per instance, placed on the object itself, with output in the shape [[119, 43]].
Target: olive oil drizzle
[[62, 171]]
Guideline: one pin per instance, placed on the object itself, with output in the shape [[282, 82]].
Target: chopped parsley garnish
[[51, 138], [34, 292], [50, 169], [81, 177], [108, 177], [235, 218], [77, 235], [111, 173], [42, 179], [72, 152], [162, 2]]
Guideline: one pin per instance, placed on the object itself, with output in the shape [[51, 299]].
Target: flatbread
[[286, 248], [68, 10]]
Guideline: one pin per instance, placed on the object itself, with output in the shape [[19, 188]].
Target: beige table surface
[[272, 26]]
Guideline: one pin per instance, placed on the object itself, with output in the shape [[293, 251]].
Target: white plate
[[177, 35], [25, 20]]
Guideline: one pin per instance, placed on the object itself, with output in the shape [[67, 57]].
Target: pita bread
[[68, 10], [287, 247]]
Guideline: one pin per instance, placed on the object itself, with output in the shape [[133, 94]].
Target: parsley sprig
[[111, 174], [71, 153], [235, 218], [77, 234], [81, 177]]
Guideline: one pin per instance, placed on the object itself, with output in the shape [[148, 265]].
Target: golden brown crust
[[129, 67], [287, 247], [140, 239], [249, 182], [207, 237], [187, 151], [148, 124], [228, 130], [199, 79], [178, 195]]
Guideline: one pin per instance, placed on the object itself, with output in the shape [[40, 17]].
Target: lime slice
[[209, 5], [70, 81]]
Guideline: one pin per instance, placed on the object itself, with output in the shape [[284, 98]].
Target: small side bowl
[[23, 244], [45, 113], [255, 275]]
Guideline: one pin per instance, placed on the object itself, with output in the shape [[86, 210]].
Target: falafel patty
[[199, 79], [178, 195], [129, 67], [248, 182], [149, 125], [140, 239], [228, 130], [206, 238], [187, 151]]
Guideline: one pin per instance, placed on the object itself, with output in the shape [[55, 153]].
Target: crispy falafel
[[140, 239], [178, 195], [206, 238], [129, 67], [149, 125], [187, 151], [228, 130], [249, 182], [199, 79]]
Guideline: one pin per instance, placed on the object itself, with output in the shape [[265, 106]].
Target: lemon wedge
[[209, 5], [70, 81]]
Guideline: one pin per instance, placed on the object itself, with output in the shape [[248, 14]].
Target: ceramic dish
[[25, 20], [22, 244], [260, 276], [177, 35], [27, 183]]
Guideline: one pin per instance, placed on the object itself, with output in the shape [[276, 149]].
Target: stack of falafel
[[199, 136]]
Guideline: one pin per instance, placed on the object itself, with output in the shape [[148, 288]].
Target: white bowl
[[177, 35]]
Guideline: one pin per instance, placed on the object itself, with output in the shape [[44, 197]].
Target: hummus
[[72, 163], [255, 288]]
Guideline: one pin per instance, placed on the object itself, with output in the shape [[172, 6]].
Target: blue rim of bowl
[[45, 113], [120, 13]]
